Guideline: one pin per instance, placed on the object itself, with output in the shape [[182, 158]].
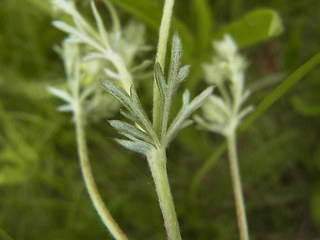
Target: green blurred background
[[42, 195]]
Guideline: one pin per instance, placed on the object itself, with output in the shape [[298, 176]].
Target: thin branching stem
[[237, 188], [157, 159], [161, 58], [157, 162], [90, 184]]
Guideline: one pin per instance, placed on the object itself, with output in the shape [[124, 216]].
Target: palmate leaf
[[142, 134], [119, 93], [124, 127], [186, 110], [136, 146], [133, 105]]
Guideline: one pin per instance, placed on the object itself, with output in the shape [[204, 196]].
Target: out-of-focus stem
[[161, 58], [237, 188], [157, 162], [91, 187]]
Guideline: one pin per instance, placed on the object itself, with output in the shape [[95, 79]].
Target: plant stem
[[157, 162], [237, 188], [91, 187], [161, 58], [125, 75]]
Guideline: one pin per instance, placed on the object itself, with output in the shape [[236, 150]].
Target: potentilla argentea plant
[[143, 137], [82, 85], [77, 98], [86, 53], [222, 114], [150, 138], [117, 47]]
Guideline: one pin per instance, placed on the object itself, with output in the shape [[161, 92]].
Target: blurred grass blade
[[275, 95], [203, 24], [305, 108], [282, 89], [256, 26]]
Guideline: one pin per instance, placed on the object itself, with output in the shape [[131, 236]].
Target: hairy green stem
[[91, 187], [237, 188], [157, 162], [161, 58]]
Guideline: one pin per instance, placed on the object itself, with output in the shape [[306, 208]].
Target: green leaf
[[186, 110], [183, 73], [176, 55], [118, 93], [256, 26], [130, 116], [161, 80], [133, 105], [203, 24], [136, 146], [200, 99], [130, 129]]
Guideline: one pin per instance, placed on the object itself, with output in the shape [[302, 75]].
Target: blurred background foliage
[[42, 195]]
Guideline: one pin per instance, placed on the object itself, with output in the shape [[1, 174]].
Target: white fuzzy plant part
[[117, 47], [87, 52], [143, 137], [222, 114], [76, 96]]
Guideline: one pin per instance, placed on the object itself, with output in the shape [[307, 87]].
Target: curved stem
[[91, 187], [237, 188], [161, 58], [157, 162]]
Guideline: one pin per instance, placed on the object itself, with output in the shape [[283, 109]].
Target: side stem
[[161, 58], [157, 162], [237, 188], [91, 187]]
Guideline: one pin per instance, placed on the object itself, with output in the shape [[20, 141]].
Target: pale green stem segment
[[125, 75], [91, 187], [237, 188], [161, 58], [157, 162]]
